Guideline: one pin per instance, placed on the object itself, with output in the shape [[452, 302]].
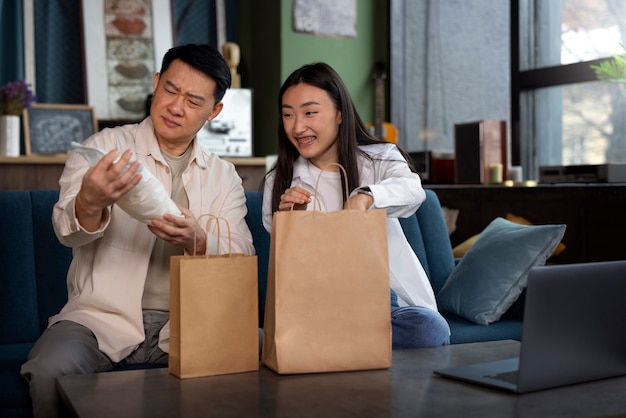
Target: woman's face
[[311, 123]]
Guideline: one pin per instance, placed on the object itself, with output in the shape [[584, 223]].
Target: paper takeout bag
[[213, 315], [327, 306]]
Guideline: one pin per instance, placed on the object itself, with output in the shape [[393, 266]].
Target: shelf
[[35, 159], [593, 213], [33, 172], [60, 159]]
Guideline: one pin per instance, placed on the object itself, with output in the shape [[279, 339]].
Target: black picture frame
[[51, 128]]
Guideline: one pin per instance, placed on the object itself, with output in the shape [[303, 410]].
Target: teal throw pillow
[[492, 274]]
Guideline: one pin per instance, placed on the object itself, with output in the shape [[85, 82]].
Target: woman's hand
[[359, 201], [295, 198]]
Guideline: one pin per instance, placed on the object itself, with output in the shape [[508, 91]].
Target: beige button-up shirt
[[106, 278]]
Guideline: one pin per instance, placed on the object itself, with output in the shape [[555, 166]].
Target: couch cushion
[[18, 300], [427, 233], [493, 273], [460, 250], [52, 259], [14, 391], [436, 240], [261, 241], [464, 331]]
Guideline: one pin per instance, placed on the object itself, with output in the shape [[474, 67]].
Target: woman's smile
[[311, 122], [305, 140]]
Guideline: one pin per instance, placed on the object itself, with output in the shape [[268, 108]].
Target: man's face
[[183, 101]]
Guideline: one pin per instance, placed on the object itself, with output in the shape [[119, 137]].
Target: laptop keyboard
[[508, 377]]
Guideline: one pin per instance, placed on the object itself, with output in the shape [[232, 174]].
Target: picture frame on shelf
[[50, 128], [123, 44]]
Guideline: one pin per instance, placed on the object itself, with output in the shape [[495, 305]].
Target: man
[[118, 282]]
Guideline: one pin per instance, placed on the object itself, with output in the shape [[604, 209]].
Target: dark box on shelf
[[477, 145], [434, 167], [598, 173]]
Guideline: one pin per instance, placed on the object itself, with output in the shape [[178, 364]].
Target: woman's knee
[[414, 327]]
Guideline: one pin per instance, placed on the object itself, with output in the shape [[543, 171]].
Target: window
[[566, 116]]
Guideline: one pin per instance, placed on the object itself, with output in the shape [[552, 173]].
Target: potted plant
[[14, 98]]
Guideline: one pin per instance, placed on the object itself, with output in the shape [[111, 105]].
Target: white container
[[515, 174], [10, 135]]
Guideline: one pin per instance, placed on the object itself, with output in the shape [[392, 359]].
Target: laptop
[[574, 331]]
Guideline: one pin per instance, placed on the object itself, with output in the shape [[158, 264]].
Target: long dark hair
[[352, 130]]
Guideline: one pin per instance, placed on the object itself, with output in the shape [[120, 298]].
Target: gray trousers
[[67, 348]]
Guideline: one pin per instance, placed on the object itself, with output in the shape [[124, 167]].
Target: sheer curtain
[[450, 63]]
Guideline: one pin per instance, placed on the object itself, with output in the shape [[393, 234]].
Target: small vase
[[10, 135]]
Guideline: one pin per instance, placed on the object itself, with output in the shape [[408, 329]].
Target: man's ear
[[216, 111], [155, 81]]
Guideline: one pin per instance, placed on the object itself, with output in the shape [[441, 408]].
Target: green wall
[[271, 50]]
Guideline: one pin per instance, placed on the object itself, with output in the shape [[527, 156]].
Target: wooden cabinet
[[43, 172], [30, 173], [594, 214], [251, 171]]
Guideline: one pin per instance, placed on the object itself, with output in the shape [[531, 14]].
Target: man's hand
[[181, 231], [103, 184]]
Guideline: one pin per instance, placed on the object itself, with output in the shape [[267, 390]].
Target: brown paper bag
[[213, 315], [327, 304]]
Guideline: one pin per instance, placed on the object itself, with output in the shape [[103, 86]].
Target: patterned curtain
[[58, 51], [58, 47], [11, 41]]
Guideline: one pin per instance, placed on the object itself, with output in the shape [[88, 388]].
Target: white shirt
[[396, 189]]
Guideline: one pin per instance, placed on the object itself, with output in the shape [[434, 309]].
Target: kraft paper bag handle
[[217, 219], [345, 180], [206, 230]]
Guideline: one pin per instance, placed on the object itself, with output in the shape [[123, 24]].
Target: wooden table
[[409, 388]]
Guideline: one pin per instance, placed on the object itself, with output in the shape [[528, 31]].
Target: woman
[[318, 127]]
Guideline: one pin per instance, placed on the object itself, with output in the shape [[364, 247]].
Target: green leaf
[[613, 69]]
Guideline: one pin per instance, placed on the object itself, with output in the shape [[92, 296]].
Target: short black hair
[[205, 58]]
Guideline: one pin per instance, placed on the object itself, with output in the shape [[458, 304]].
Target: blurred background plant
[[15, 97], [613, 69]]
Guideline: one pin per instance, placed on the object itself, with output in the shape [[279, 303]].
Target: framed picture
[[51, 128], [124, 43]]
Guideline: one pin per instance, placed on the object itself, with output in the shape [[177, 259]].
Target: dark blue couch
[[34, 265]]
